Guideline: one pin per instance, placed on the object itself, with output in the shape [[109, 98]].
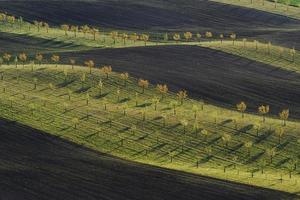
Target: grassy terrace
[[119, 119], [86, 41], [262, 52], [291, 10]]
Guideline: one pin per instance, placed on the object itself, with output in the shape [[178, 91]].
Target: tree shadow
[[99, 96], [263, 137], [254, 158], [244, 129], [124, 100], [144, 105], [65, 83], [282, 162], [82, 89]]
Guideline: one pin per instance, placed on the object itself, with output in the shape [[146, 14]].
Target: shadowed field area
[[216, 76], [35, 165]]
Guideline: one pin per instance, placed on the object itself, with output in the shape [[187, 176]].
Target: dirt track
[[36, 166], [218, 77]]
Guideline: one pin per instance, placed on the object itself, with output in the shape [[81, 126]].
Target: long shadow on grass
[[254, 158], [65, 83], [83, 89]]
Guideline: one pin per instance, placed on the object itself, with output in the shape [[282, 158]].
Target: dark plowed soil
[[142, 14], [37, 166], [218, 77], [14, 43], [161, 15]]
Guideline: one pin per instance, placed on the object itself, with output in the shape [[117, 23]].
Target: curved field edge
[[266, 53], [290, 11], [132, 137], [26, 174]]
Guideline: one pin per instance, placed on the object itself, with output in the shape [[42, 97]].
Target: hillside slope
[[158, 15], [216, 76], [63, 170]]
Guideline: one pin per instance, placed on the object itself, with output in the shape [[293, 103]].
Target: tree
[[66, 74], [74, 29], [271, 152], [87, 98], [293, 53], [32, 108], [244, 42], [75, 122], [39, 58], [16, 61], [208, 35], [226, 138], [269, 45], [188, 36], [248, 146], [23, 58], [166, 37], [82, 79], [205, 133], [51, 86], [143, 84], [279, 132], [284, 115], [195, 110], [94, 32], [7, 57], [176, 37], [124, 37], [114, 36], [46, 26], [125, 107], [65, 28], [35, 80], [124, 77], [145, 38], [84, 29], [72, 62], [155, 101], [37, 24], [90, 64], [221, 38], [69, 94], [233, 37], [118, 94], [241, 107], [256, 45], [263, 110], [182, 95], [198, 36], [257, 126], [184, 123], [164, 117], [134, 37], [106, 70], [173, 105], [100, 86], [55, 59], [162, 89]]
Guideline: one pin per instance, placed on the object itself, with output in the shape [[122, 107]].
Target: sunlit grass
[[140, 133]]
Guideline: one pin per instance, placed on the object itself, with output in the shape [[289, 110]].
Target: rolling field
[[161, 16], [123, 121], [64, 170], [218, 77], [91, 100]]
